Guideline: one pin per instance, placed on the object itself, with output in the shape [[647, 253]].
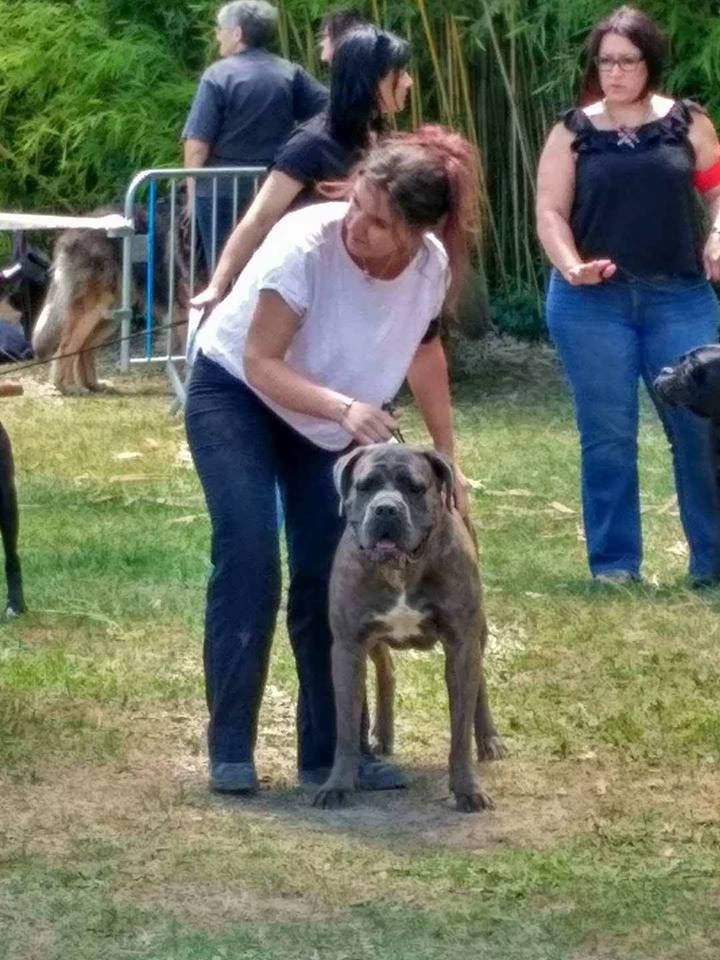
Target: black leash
[[101, 346], [390, 407]]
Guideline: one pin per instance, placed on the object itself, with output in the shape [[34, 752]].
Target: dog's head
[[694, 382], [393, 496]]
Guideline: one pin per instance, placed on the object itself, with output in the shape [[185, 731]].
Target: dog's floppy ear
[[445, 474], [343, 471]]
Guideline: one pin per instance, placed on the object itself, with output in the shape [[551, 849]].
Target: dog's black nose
[[386, 510]]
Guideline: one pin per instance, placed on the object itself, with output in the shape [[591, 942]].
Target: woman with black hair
[[368, 81]]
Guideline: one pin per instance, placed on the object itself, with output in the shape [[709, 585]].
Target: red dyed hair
[[432, 177]]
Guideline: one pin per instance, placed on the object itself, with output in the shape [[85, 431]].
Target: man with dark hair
[[334, 25], [245, 108]]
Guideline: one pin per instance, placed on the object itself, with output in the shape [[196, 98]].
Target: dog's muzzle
[[386, 534], [670, 386]]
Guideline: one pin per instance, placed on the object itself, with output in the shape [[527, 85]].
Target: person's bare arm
[[430, 385], [555, 193], [195, 154], [704, 139], [272, 330], [272, 200]]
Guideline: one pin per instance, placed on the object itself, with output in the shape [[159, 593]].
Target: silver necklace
[[368, 277], [628, 136]]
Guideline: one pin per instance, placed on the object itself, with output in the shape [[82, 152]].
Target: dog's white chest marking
[[401, 621]]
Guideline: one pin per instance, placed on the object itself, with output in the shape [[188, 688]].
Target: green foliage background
[[93, 90]]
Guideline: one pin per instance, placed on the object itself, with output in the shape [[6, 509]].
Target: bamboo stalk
[[432, 50], [508, 88]]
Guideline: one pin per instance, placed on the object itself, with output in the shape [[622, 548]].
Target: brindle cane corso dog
[[406, 575]]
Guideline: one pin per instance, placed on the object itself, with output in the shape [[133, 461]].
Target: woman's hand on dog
[[368, 424]]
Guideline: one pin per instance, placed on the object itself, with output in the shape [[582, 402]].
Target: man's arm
[[195, 154]]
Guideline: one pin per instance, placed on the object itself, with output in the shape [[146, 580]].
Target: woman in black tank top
[[621, 182]]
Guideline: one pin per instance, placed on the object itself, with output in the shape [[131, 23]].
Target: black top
[[248, 104], [312, 155], [634, 197]]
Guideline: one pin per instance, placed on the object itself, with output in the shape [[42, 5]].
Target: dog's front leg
[[462, 674], [348, 672]]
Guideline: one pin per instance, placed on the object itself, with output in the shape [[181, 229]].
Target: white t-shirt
[[357, 335]]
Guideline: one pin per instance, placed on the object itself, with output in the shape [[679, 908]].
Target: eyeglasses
[[627, 64]]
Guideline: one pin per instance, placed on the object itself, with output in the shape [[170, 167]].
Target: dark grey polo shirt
[[248, 104]]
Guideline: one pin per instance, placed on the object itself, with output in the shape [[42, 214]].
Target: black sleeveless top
[[634, 197]]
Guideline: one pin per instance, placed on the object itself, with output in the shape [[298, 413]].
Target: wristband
[[346, 408]]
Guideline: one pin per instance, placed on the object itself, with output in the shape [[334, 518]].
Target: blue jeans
[[608, 337], [224, 219], [241, 450]]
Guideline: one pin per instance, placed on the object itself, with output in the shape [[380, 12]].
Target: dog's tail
[[49, 326]]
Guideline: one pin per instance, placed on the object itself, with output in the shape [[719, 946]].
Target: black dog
[[24, 282], [9, 526], [694, 382]]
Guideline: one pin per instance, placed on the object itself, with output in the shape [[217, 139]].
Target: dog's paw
[[474, 801], [332, 798], [73, 390], [14, 608], [491, 748], [103, 386]]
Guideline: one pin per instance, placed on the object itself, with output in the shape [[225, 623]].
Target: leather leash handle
[[10, 388]]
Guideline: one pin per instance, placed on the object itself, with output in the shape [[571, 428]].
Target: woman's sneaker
[[233, 777], [617, 578]]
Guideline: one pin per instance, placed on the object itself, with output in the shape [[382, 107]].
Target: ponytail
[[432, 176]]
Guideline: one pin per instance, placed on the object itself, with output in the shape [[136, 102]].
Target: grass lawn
[[605, 840]]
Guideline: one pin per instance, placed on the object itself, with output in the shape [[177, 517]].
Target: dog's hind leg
[[383, 731], [488, 742], [9, 528], [85, 330], [87, 372]]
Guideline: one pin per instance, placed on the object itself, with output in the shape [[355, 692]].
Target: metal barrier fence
[[142, 248]]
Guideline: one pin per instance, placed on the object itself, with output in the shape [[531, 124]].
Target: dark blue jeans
[[241, 451], [225, 218], [609, 336]]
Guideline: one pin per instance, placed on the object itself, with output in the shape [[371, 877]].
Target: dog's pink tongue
[[385, 545]]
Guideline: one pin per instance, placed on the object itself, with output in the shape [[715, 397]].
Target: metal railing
[[143, 248]]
